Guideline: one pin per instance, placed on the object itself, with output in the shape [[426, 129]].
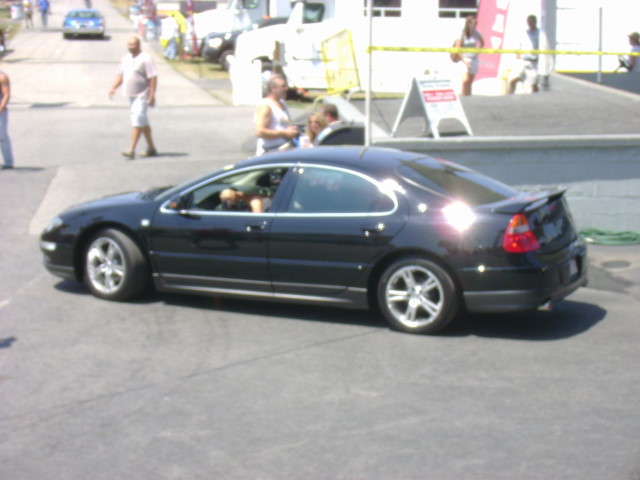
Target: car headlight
[[55, 223], [215, 42]]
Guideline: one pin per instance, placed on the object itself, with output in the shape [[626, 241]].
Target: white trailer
[[404, 23]]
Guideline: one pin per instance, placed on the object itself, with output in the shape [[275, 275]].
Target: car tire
[[224, 59], [416, 295], [114, 267]]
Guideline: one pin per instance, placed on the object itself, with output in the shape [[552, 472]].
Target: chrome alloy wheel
[[106, 268], [414, 296]]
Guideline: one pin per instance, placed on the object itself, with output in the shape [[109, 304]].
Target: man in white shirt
[[634, 62], [139, 76], [529, 64]]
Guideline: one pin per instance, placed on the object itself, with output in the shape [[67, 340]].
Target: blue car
[[83, 22]]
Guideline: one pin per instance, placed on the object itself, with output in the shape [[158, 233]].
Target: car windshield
[[455, 181], [184, 186], [84, 14]]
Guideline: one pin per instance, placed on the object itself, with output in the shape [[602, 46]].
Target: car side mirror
[[180, 203]]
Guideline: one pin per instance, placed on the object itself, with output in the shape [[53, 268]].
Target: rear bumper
[[525, 287], [83, 30], [519, 300]]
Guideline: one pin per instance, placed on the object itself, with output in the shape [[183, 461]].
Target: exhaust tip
[[546, 306]]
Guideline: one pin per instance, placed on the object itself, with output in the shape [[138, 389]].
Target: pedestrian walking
[[5, 141], [138, 74], [27, 8], [43, 6], [273, 121]]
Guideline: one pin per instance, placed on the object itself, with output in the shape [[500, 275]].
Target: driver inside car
[[232, 199]]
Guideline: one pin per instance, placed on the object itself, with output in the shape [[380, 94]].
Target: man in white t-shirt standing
[[139, 76], [529, 70]]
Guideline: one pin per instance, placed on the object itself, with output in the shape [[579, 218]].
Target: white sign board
[[435, 99]]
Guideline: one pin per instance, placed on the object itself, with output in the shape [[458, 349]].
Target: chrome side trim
[[250, 293], [255, 282], [177, 276]]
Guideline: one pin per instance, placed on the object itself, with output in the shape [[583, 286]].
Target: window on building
[[313, 13], [457, 8], [385, 8]]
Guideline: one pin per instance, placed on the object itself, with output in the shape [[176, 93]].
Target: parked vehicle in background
[[394, 24], [219, 47], [417, 238], [238, 15], [83, 22]]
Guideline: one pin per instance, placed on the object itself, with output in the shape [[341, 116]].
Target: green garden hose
[[609, 237]]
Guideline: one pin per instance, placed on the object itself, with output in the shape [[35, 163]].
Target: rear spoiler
[[527, 202]]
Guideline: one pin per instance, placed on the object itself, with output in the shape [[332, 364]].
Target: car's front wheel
[[417, 295], [114, 266], [226, 59]]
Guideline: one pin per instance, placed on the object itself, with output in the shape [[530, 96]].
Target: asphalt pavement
[[177, 386]]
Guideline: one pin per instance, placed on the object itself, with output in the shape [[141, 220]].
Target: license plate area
[[570, 270]]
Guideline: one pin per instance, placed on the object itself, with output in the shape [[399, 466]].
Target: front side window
[[385, 8], [248, 191], [321, 190]]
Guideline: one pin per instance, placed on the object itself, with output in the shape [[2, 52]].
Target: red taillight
[[518, 237]]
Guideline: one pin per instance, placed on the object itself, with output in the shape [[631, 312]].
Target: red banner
[[492, 23]]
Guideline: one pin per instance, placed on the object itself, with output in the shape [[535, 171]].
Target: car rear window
[[455, 181]]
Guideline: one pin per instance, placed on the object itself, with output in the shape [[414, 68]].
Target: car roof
[[373, 160]]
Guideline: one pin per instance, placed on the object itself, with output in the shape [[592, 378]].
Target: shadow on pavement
[[567, 319]]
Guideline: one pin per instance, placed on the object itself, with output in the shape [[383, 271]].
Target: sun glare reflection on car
[[459, 216]]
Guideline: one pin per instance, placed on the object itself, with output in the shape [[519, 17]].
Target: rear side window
[[333, 191], [455, 181]]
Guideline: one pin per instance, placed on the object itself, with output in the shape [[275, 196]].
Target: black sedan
[[219, 47], [414, 237]]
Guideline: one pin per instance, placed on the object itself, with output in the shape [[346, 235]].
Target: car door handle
[[257, 227], [370, 229]]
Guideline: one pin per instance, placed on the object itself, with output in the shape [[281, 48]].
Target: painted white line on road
[[29, 284]]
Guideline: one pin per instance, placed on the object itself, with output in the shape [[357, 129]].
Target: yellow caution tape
[[374, 48]]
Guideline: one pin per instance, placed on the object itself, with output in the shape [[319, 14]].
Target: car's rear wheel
[[114, 266], [416, 295]]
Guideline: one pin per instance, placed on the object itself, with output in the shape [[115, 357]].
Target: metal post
[[600, 45], [367, 103]]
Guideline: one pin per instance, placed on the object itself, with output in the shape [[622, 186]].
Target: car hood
[[118, 200]]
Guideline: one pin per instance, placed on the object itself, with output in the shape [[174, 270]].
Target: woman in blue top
[[470, 38]]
